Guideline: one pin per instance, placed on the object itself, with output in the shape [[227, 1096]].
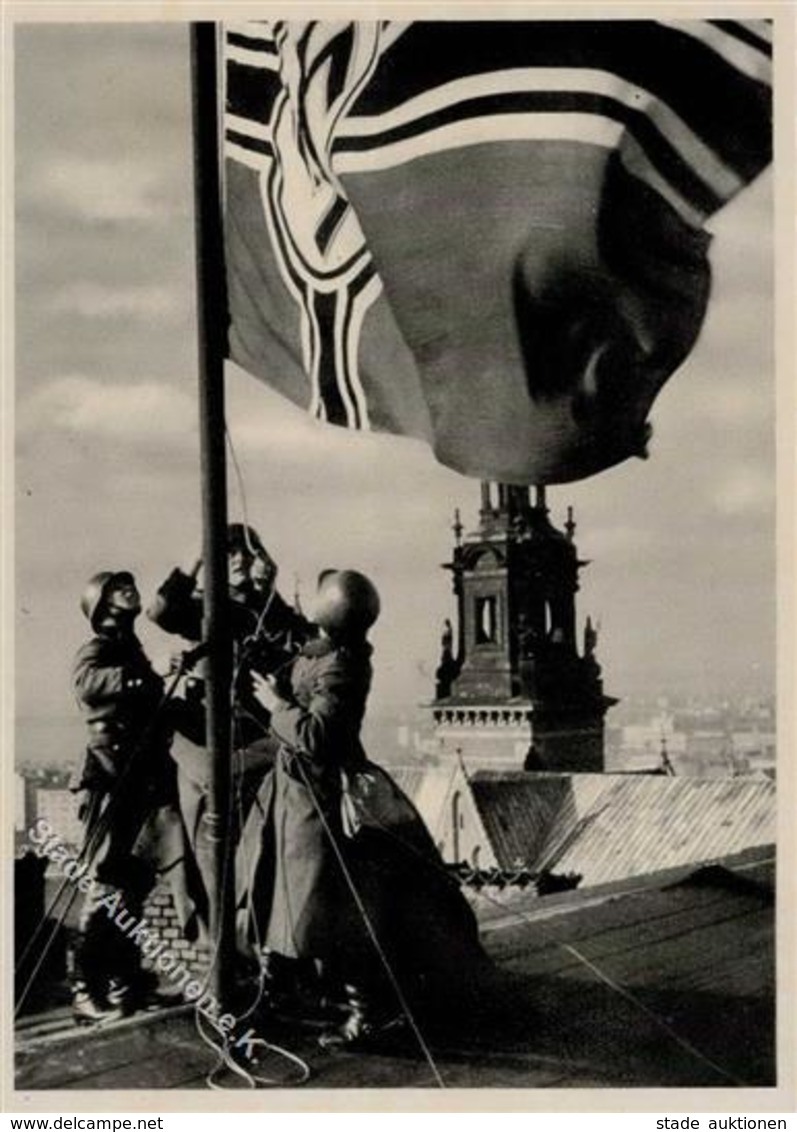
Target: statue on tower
[[448, 668]]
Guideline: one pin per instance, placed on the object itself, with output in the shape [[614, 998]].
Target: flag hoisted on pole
[[488, 235]]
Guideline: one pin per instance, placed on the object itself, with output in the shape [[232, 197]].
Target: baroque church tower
[[513, 690]]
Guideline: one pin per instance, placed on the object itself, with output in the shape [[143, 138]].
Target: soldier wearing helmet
[[256, 608], [267, 633], [346, 605], [298, 890], [124, 777]]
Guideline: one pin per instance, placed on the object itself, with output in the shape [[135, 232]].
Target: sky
[[681, 547]]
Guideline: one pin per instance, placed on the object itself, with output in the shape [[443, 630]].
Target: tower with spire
[[513, 689]]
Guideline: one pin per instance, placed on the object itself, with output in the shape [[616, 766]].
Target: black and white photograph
[[394, 609]]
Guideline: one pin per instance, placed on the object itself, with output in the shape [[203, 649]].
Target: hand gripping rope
[[221, 1046]]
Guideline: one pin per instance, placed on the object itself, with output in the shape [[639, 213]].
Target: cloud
[[740, 403], [263, 423], [99, 189], [744, 492], [747, 220], [114, 409], [90, 300], [621, 541]]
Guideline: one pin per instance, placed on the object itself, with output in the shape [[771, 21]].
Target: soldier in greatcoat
[[267, 633], [260, 618], [125, 788], [356, 881]]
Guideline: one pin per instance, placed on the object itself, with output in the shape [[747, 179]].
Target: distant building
[[754, 749], [512, 689], [58, 807], [648, 747], [23, 804], [24, 812]]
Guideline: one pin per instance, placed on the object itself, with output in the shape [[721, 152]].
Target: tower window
[[486, 620]]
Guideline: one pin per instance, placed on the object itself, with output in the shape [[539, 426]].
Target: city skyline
[[682, 546]]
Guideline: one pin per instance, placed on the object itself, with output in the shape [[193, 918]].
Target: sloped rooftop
[[518, 811], [608, 827], [664, 981]]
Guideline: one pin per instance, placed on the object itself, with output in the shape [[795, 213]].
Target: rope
[[252, 1079], [223, 1053], [684, 1043], [606, 979], [216, 943], [358, 901], [371, 932], [92, 843], [241, 487], [261, 982], [660, 1022], [103, 820], [225, 1058]]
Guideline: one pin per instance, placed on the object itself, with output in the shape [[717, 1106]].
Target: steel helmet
[[240, 535], [347, 603], [96, 589]]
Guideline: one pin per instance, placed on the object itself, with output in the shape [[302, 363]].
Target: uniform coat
[[178, 608], [318, 729], [301, 898], [266, 634], [120, 695], [127, 787]]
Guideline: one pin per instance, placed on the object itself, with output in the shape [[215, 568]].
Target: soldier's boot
[[123, 996], [279, 977], [141, 991], [365, 1021], [89, 1006], [138, 990]]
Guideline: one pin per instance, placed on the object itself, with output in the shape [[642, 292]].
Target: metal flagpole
[[212, 332]]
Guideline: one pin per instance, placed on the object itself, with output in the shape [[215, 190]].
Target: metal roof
[[607, 827], [639, 824]]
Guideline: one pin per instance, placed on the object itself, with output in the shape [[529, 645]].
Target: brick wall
[[161, 915]]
